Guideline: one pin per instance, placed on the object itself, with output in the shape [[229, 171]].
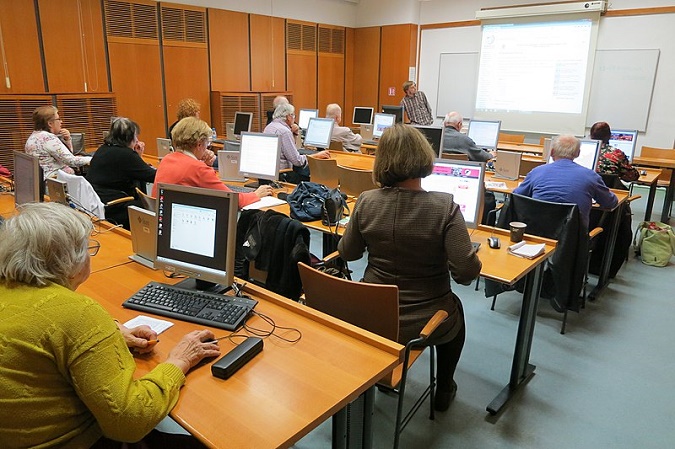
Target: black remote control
[[236, 358]]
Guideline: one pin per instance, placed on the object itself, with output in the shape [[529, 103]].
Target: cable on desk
[[271, 333]]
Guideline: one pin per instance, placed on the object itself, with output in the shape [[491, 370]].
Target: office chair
[[511, 138], [374, 307], [323, 171], [353, 182], [85, 197], [336, 145], [565, 273], [149, 202], [454, 156]]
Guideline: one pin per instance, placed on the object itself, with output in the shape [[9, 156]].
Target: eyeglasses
[[57, 119], [94, 246]]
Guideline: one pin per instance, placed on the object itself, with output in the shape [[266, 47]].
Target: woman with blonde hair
[[416, 240]]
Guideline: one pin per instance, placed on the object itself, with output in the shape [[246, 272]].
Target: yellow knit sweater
[[66, 374]]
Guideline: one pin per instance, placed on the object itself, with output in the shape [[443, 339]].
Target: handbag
[[655, 243], [311, 201]]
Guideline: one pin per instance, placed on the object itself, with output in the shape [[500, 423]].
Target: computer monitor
[[362, 115], [304, 115], [435, 137], [260, 156], [319, 132], [242, 122], [465, 181], [163, 147], [29, 187], [382, 122], [485, 133], [624, 140], [397, 111], [588, 154], [196, 235]]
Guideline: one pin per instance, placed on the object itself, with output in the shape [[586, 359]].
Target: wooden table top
[[521, 147], [654, 161]]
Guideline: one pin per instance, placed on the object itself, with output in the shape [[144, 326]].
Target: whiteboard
[[622, 87], [457, 78]]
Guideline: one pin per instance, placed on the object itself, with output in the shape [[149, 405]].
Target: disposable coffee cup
[[517, 229]]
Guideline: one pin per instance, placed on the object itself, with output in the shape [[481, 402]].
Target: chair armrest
[[285, 170], [433, 323], [332, 256], [120, 201], [594, 233], [633, 198]]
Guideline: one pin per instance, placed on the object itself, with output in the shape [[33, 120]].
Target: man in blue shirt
[[564, 181]]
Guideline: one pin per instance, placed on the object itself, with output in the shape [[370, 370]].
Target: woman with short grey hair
[[67, 375]]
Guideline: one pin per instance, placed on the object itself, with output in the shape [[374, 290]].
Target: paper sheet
[[155, 324]]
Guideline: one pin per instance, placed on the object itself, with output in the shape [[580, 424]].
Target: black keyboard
[[209, 309], [240, 189]]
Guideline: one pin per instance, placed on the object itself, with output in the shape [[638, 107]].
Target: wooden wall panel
[[268, 57], [186, 75], [302, 77], [397, 55], [23, 73], [229, 51], [366, 67], [16, 123], [348, 106], [331, 81], [72, 36], [136, 80]]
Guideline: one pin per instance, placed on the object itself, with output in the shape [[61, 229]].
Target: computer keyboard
[[240, 189], [209, 309], [370, 142]]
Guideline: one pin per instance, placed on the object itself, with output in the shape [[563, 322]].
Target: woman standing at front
[[415, 240]]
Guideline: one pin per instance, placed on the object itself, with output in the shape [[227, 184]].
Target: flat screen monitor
[[435, 137], [382, 122], [625, 141], [163, 147], [485, 133], [259, 156], [465, 181], [362, 115], [29, 186], [304, 115], [397, 111], [196, 234], [588, 154], [242, 122], [319, 132]]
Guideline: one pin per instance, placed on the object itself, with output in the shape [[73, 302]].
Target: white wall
[[387, 12]]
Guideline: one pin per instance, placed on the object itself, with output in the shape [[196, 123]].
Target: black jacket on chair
[[566, 269], [276, 243]]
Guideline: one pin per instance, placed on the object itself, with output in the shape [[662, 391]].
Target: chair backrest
[[512, 138], [354, 182], [562, 222], [542, 140], [323, 171], [527, 165], [455, 156], [149, 202], [612, 181], [82, 193], [335, 145], [373, 307], [77, 140], [662, 153]]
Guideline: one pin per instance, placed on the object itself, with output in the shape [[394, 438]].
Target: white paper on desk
[[495, 185], [155, 324], [527, 250], [266, 201]]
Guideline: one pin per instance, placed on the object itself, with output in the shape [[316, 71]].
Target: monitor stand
[[203, 286], [262, 182], [143, 261]]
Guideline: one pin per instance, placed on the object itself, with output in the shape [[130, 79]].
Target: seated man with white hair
[[456, 142], [349, 140], [281, 125]]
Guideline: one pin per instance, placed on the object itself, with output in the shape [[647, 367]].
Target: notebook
[[228, 166], [163, 147], [57, 191], [507, 165], [143, 227]]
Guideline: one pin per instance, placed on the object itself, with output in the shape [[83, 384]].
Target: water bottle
[[213, 133]]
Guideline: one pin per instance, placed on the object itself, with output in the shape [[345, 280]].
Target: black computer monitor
[[485, 133], [319, 132], [625, 140], [29, 187], [465, 181], [382, 122], [435, 137], [196, 235], [242, 122], [304, 115], [259, 156], [397, 111], [362, 115]]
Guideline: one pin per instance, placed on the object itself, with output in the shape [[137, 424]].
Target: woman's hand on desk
[[142, 339], [264, 190], [192, 348]]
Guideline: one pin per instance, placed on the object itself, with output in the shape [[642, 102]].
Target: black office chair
[[565, 272]]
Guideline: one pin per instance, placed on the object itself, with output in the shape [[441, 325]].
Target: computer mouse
[[493, 242], [643, 172]]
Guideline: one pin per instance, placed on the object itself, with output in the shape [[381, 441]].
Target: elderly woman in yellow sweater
[[67, 375]]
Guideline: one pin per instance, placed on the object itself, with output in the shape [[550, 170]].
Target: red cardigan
[[179, 168]]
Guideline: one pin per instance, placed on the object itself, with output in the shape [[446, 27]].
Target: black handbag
[[311, 201]]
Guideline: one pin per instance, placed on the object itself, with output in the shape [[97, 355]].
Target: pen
[[153, 342]]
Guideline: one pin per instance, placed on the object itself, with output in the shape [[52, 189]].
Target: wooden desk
[[282, 394], [358, 161], [660, 163], [521, 147], [7, 206], [503, 267]]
